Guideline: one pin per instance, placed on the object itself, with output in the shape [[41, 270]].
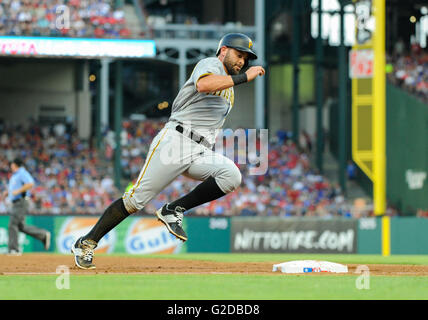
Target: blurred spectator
[[73, 18], [399, 48], [70, 177], [422, 213], [305, 142], [410, 71], [351, 170]]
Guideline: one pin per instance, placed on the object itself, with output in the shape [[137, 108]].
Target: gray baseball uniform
[[177, 149]]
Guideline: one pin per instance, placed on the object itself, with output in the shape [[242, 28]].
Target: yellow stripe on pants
[[148, 162]]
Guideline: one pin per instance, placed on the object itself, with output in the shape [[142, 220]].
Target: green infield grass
[[226, 286]]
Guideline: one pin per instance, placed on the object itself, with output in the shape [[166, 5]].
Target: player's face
[[234, 60], [13, 167]]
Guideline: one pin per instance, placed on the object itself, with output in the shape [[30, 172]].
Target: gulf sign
[[147, 235], [73, 228]]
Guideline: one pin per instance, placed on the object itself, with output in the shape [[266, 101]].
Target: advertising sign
[[134, 235], [74, 227], [76, 47], [294, 235], [25, 243], [361, 63], [147, 235], [208, 234]]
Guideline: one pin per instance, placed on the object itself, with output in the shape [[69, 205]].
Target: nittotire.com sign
[[294, 235]]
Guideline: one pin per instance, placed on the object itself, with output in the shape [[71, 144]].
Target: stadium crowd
[[408, 69], [65, 18], [70, 177], [73, 178], [289, 188]]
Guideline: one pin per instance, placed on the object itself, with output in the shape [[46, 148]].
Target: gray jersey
[[205, 112]]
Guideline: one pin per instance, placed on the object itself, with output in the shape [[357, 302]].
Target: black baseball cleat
[[83, 251], [173, 220]]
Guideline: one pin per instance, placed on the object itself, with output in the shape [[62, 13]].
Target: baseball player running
[[184, 147]]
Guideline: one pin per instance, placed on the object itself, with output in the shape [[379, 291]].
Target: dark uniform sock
[[111, 217], [205, 192]]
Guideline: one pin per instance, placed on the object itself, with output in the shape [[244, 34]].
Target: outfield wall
[[145, 235], [406, 151]]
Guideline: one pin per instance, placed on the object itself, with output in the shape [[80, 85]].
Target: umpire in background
[[19, 184]]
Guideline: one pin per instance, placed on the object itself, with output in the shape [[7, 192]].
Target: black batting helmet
[[239, 42]]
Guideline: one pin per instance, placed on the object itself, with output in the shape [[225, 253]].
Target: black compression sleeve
[[111, 217], [239, 78], [204, 192]]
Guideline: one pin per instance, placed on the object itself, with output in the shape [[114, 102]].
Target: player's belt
[[195, 137]]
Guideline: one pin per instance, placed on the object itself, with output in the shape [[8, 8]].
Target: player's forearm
[[214, 82], [24, 188]]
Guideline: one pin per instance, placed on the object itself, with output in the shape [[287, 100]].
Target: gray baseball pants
[[173, 154], [17, 224]]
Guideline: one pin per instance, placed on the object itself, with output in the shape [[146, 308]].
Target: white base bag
[[307, 266]]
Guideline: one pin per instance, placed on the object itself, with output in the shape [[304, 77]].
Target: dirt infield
[[29, 264]]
